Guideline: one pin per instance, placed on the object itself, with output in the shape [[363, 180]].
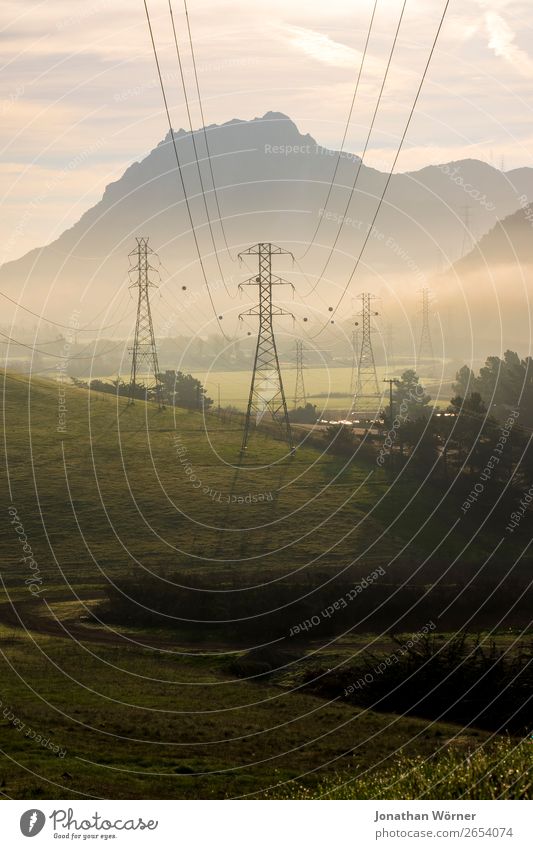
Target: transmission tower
[[144, 351], [390, 355], [367, 397], [468, 239], [266, 389], [300, 398], [425, 349], [355, 349]]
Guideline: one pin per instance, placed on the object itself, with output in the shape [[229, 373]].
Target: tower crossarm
[[260, 248], [274, 281]]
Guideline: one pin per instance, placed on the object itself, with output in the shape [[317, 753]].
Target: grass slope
[[143, 715]]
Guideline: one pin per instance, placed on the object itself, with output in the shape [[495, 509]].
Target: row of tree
[[177, 389], [486, 428], [503, 383]]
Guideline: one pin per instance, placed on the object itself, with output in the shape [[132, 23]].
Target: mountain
[[484, 299], [509, 243], [272, 183]]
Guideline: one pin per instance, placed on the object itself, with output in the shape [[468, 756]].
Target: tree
[[419, 435], [410, 399], [472, 431], [340, 439], [472, 404], [304, 415], [115, 387], [504, 384], [465, 382], [183, 390]]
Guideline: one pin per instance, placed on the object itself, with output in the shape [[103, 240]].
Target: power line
[[60, 356], [78, 356], [324, 205], [367, 141], [205, 131], [389, 176], [425, 348], [57, 323], [180, 171], [177, 309], [189, 116]]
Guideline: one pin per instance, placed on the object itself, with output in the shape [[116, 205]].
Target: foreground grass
[[498, 770], [131, 722]]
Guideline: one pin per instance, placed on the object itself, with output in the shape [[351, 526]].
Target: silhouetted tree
[[304, 415], [340, 439], [183, 390], [410, 399]]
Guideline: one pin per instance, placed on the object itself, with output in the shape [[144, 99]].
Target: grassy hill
[[153, 712]]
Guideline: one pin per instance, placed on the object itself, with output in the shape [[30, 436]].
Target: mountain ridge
[[271, 183]]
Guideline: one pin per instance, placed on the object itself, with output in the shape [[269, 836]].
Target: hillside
[[486, 295], [138, 713], [508, 243]]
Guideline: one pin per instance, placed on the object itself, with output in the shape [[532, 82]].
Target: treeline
[[177, 389], [503, 384], [484, 434], [314, 608]]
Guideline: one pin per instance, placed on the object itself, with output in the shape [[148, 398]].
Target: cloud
[[322, 48], [76, 73], [502, 42]]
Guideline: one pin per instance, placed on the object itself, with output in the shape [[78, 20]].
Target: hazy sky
[[80, 98]]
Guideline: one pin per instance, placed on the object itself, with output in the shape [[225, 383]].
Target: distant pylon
[[355, 350], [389, 346], [144, 351], [367, 397], [468, 239], [300, 399], [425, 348], [266, 389]]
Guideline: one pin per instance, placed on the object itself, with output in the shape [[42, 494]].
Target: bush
[[340, 440], [460, 680], [304, 415]]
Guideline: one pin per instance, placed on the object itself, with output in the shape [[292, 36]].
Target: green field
[[143, 713], [328, 388]]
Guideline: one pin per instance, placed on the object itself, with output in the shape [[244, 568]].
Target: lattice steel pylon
[[468, 239], [425, 348], [367, 397], [355, 358], [300, 398], [389, 347], [266, 389], [144, 351]]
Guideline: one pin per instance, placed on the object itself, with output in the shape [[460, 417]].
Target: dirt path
[[37, 617]]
